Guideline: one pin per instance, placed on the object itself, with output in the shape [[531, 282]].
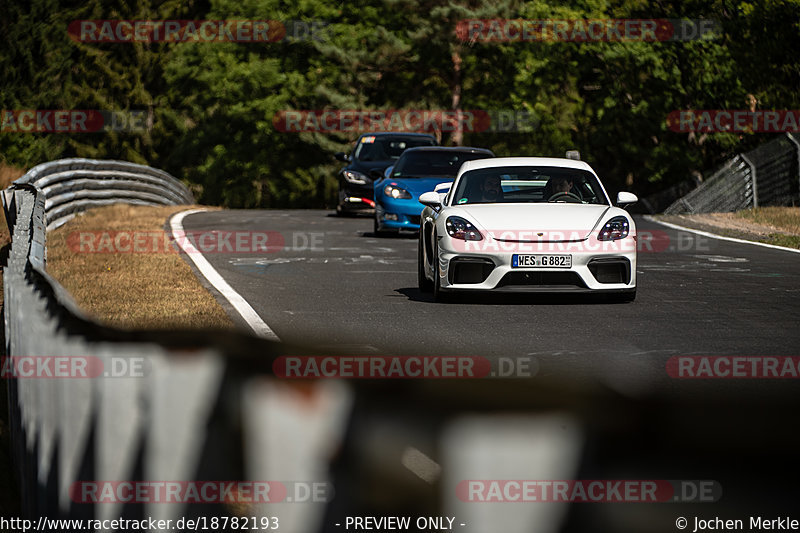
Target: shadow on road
[[496, 298], [402, 235]]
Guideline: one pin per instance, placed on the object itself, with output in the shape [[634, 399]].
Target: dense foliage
[[210, 106]]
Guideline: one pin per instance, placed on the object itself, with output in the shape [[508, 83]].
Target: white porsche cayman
[[527, 224]]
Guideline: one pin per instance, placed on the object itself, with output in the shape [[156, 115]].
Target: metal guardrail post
[[755, 180], [797, 144]]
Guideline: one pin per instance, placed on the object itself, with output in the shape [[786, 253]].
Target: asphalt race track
[[335, 284]]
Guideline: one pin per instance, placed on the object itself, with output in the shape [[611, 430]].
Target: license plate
[[541, 261]]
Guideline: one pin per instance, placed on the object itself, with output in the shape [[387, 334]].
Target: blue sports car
[[417, 171]]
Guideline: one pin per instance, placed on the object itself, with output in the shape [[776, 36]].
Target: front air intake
[[470, 270], [614, 270]]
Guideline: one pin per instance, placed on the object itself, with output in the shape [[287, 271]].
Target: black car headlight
[[356, 178], [615, 229], [459, 228], [393, 191]]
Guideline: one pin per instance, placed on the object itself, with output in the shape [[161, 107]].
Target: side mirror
[[443, 187], [388, 171], [625, 198], [375, 174], [431, 199], [341, 156]]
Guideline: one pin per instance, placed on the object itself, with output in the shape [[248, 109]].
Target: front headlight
[[356, 178], [459, 228], [615, 229], [393, 191]]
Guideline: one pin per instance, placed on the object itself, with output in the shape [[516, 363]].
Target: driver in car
[[559, 189], [560, 185], [490, 190]]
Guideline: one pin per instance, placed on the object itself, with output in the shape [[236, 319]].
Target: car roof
[[525, 162], [466, 149]]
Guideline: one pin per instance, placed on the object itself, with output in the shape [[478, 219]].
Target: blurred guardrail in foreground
[[142, 406], [207, 406], [766, 176]]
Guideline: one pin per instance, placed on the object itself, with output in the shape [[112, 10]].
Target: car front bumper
[[487, 266], [356, 199], [402, 214]]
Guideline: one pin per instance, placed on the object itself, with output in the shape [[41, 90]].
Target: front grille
[[616, 270], [542, 278], [469, 270], [414, 219]]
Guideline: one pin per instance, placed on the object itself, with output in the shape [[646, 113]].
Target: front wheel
[[438, 294], [376, 231], [425, 285]]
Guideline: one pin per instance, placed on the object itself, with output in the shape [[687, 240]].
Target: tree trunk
[[458, 131]]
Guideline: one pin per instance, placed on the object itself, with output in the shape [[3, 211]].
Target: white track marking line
[[720, 237], [244, 309]]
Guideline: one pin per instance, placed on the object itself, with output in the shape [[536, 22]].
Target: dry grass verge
[[784, 219], [154, 290], [9, 174], [771, 225]]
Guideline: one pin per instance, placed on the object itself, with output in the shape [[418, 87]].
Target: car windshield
[[372, 148], [528, 185], [423, 163]]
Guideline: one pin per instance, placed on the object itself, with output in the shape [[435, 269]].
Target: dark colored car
[[373, 153], [419, 170]]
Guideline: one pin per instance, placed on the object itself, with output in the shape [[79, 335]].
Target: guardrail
[[73, 185], [766, 176]]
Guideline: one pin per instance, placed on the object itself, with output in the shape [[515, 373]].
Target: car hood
[[524, 222], [365, 167], [418, 186]]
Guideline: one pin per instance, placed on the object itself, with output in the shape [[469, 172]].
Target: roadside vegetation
[[771, 225], [209, 106], [784, 219]]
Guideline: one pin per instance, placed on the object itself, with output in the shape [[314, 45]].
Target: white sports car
[[526, 224]]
